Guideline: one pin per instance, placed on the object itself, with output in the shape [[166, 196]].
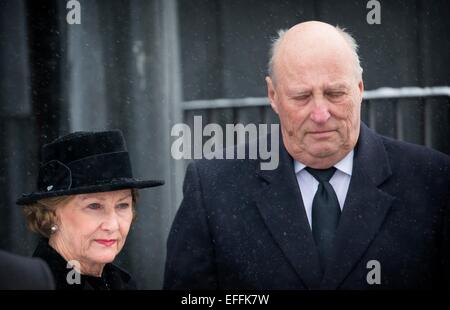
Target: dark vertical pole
[[18, 147], [435, 61], [45, 54]]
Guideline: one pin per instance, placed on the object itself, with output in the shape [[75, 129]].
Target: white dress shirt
[[340, 182]]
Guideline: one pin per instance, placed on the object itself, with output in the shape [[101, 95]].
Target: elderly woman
[[84, 207]]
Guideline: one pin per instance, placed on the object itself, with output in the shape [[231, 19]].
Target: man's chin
[[323, 152]]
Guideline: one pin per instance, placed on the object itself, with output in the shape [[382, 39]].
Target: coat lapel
[[364, 210], [281, 206]]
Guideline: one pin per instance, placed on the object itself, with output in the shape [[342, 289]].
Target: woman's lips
[[106, 242]]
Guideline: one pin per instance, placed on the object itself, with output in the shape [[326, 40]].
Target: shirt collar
[[345, 165]]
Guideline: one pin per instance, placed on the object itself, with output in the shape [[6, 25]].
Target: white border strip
[[381, 93], [407, 92]]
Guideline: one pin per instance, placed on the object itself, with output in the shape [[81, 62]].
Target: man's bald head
[[313, 37]]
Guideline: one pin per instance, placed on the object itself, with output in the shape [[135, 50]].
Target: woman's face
[[93, 227]]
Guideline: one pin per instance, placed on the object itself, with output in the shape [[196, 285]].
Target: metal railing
[[412, 114], [381, 93]]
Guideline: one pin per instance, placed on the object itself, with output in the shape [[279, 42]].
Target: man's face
[[317, 96]]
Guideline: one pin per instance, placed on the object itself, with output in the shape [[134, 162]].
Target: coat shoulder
[[230, 164], [414, 150], [409, 161], [415, 154], [17, 272]]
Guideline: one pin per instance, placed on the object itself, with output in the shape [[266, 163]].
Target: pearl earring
[[54, 228]]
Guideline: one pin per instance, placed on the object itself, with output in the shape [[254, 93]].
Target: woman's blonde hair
[[41, 216]]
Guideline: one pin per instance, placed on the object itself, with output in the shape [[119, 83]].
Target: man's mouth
[[321, 133]]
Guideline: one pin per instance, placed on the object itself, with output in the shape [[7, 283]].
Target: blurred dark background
[[142, 66]]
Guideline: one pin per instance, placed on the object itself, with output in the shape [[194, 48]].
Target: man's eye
[[302, 98], [123, 206], [335, 94], [94, 206]]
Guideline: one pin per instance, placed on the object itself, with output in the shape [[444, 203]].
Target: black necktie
[[325, 213]]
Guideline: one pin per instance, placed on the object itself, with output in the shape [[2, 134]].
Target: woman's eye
[[123, 206], [94, 206]]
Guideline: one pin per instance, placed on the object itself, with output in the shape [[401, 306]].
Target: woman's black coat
[[113, 277]]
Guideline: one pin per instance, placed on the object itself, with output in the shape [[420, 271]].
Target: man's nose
[[320, 113]]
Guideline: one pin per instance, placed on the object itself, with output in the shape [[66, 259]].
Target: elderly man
[[345, 209]]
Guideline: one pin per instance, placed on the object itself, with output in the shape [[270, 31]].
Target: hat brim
[[27, 199]]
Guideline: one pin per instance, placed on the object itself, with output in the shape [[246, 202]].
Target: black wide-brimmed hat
[[85, 162]]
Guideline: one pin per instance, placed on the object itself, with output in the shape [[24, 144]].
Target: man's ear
[[361, 87], [271, 94]]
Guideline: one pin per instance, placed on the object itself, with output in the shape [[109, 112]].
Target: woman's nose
[[110, 222]]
